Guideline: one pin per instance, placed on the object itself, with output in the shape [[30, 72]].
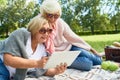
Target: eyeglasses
[[52, 15], [43, 31]]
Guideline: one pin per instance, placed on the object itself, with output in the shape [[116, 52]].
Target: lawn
[[100, 41]]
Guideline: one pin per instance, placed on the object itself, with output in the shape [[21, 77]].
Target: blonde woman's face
[[43, 34]]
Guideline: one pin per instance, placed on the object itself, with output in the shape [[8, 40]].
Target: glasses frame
[[43, 31], [52, 15]]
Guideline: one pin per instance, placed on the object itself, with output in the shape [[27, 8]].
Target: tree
[[115, 21], [3, 6], [87, 12], [17, 14]]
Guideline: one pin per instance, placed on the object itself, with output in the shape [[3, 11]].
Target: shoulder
[[62, 24], [60, 20], [20, 34], [20, 31]]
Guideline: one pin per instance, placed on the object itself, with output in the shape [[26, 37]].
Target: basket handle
[[114, 57]]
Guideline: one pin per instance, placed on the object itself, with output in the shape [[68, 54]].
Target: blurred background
[[85, 17]]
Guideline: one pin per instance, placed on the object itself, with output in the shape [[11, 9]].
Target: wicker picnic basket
[[112, 54]]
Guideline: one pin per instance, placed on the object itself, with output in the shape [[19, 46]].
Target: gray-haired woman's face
[[52, 17]]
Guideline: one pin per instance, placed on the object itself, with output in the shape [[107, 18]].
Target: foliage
[[81, 15], [115, 21], [3, 3], [17, 14], [97, 32], [85, 15]]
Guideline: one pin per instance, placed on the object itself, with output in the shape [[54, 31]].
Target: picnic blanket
[[96, 73]]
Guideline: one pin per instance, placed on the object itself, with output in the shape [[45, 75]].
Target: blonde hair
[[36, 24], [50, 6]]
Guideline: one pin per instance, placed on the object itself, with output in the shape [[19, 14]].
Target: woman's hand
[[95, 52], [57, 70], [60, 68], [41, 63]]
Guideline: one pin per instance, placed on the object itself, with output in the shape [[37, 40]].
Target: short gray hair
[[50, 6]]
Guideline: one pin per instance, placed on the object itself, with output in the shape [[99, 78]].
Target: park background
[[96, 21]]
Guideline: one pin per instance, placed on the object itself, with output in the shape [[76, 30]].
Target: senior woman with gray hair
[[64, 39], [24, 52]]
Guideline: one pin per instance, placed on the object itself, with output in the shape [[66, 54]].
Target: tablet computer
[[61, 57]]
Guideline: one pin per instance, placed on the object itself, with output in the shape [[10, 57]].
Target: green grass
[[99, 42]]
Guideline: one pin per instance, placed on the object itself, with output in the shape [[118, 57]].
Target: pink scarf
[[49, 43]]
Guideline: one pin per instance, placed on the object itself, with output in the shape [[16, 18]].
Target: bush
[[97, 32]]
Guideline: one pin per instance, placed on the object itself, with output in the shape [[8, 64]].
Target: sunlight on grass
[[107, 37], [100, 41]]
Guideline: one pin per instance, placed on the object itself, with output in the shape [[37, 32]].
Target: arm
[[76, 40], [18, 62], [57, 70], [73, 38], [96, 53]]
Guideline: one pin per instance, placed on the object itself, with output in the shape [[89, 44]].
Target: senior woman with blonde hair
[[64, 39], [24, 52]]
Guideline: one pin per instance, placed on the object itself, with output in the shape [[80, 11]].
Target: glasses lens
[[52, 15], [49, 30], [43, 31], [56, 16]]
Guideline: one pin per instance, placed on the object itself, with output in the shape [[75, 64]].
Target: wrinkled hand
[[57, 70], [41, 63], [95, 52], [60, 68]]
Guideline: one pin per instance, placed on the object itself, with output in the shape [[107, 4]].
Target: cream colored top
[[65, 38]]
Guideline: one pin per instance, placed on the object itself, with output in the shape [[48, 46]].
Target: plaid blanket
[[95, 74]]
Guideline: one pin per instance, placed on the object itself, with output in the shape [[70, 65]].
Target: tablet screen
[[61, 57]]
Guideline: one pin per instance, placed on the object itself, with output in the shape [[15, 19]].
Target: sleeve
[[40, 72], [15, 45], [73, 38]]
